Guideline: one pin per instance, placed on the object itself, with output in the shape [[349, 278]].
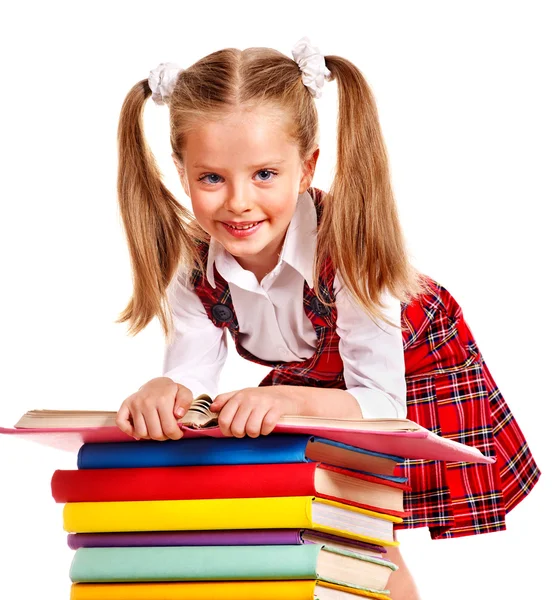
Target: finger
[[153, 424], [221, 400], [169, 424], [270, 420], [139, 425], [183, 400], [238, 425], [253, 425], [226, 417], [123, 420]]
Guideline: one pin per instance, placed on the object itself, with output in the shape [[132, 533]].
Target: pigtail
[[155, 223], [360, 229]]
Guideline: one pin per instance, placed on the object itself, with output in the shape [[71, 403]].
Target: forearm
[[322, 402]]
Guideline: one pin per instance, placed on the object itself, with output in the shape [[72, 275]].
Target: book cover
[[229, 481]]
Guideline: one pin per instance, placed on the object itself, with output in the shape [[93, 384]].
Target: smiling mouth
[[242, 226]]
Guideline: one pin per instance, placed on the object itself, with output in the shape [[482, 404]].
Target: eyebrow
[[258, 166]]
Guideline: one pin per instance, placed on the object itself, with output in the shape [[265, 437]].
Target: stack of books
[[280, 516], [306, 512]]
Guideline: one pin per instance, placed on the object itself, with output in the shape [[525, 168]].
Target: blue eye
[[268, 174], [210, 177], [214, 178]]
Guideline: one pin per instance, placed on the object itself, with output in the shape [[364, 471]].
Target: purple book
[[335, 538], [238, 537]]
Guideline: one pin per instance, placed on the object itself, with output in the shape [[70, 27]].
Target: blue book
[[271, 449]]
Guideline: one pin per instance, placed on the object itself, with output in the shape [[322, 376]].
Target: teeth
[[244, 226]]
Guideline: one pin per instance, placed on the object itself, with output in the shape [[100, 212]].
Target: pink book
[[400, 437]]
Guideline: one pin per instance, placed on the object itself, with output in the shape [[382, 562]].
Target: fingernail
[[180, 412]]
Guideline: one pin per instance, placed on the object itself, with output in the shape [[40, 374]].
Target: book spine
[[204, 590], [199, 451], [195, 515], [201, 563], [245, 537], [183, 483]]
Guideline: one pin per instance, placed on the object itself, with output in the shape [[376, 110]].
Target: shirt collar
[[298, 248]]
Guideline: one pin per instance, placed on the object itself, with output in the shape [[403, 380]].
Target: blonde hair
[[359, 229]]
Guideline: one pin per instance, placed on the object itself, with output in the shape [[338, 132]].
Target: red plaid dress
[[450, 391]]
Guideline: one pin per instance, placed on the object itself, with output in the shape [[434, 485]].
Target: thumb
[[183, 400], [221, 400]]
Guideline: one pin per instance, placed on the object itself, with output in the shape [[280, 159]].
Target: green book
[[231, 563]]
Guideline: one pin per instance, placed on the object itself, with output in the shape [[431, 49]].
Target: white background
[[465, 96]]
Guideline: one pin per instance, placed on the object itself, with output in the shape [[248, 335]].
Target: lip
[[241, 223], [241, 233]]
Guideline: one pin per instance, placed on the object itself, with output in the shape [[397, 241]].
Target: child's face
[[241, 170]]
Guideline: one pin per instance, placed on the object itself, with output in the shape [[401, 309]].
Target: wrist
[[302, 399], [294, 399], [329, 403]]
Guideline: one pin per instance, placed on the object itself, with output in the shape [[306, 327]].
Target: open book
[[199, 416], [69, 429]]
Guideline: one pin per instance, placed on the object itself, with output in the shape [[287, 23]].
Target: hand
[[253, 411], [152, 411]]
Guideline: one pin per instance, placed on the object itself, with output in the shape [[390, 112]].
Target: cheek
[[203, 206], [282, 210]]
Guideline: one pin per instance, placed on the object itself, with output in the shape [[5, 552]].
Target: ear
[[182, 173], [308, 169]]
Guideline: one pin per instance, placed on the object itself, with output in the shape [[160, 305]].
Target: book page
[[199, 414]]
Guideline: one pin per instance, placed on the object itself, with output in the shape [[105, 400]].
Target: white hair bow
[[312, 64], [162, 81]]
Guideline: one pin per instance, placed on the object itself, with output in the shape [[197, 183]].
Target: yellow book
[[322, 593], [293, 512], [217, 590]]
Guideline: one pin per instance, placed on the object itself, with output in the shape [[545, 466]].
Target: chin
[[242, 249]]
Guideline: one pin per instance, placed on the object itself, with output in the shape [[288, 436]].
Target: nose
[[238, 200]]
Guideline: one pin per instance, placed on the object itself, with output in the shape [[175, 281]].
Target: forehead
[[241, 136]]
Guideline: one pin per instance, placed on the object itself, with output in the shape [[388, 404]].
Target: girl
[[317, 286]]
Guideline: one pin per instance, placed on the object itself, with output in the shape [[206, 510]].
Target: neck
[[262, 263]]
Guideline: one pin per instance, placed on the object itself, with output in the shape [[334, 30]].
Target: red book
[[230, 481]]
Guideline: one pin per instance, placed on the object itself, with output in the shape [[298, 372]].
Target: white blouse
[[274, 327]]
